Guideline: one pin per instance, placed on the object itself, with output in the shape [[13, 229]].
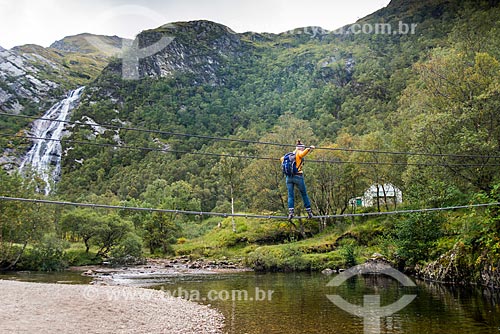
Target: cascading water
[[45, 155]]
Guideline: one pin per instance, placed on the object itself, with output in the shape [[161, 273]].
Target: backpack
[[289, 165]]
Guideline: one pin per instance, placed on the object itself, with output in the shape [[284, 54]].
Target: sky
[[43, 22]]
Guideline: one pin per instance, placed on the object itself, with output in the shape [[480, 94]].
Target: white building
[[386, 193]]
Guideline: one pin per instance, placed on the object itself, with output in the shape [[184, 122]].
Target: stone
[[328, 271], [88, 273]]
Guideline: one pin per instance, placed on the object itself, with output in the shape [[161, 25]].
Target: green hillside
[[431, 96]]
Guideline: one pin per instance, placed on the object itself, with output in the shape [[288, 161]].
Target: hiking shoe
[[290, 213], [309, 213]]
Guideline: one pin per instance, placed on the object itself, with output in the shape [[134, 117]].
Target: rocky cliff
[[456, 267], [201, 49], [21, 80], [33, 77]]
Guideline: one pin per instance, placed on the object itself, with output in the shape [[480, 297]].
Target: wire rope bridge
[[243, 215]]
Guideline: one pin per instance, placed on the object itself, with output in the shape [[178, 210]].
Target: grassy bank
[[273, 245], [421, 242]]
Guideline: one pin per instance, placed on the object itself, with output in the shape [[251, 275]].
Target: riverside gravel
[[60, 308]]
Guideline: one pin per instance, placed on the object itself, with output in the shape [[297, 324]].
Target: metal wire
[[243, 215], [168, 133], [167, 150]]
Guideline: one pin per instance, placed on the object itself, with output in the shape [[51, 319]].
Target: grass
[[273, 245], [76, 255], [219, 240]]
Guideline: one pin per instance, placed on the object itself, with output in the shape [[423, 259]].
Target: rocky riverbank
[[57, 308], [457, 267], [156, 271]]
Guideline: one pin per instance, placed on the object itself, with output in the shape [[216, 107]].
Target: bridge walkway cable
[[245, 215]]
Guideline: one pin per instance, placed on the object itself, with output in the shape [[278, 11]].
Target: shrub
[[348, 255], [79, 257], [277, 258], [416, 235], [128, 251], [47, 255]]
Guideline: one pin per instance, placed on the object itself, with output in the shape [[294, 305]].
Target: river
[[294, 303]]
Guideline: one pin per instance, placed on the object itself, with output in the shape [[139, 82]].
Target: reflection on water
[[294, 303], [299, 304], [63, 277]]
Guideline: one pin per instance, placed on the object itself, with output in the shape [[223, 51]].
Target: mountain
[[421, 11], [209, 81], [33, 77], [99, 45], [202, 77], [199, 48]]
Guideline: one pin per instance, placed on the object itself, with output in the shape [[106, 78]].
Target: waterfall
[[45, 155]]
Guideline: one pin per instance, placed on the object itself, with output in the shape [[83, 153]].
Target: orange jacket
[[299, 158]]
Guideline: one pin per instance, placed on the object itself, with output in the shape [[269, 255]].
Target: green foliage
[[20, 223], [46, 255], [110, 233], [481, 229], [82, 223], [128, 251], [272, 258], [161, 233], [105, 231], [199, 227], [348, 253], [416, 236], [333, 92], [456, 99], [80, 257]]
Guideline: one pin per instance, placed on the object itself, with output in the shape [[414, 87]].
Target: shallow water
[[299, 304], [63, 277], [294, 303]]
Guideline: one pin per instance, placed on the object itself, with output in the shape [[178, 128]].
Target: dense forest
[[415, 110]]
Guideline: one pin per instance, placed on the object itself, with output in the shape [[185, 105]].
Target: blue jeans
[[291, 182]]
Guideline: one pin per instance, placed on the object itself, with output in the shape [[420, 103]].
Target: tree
[[21, 223], [161, 232], [377, 166], [416, 235], [110, 232], [334, 179], [83, 223], [451, 112], [228, 172], [477, 31], [95, 228], [161, 228]]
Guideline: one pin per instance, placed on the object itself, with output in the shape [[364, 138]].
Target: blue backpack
[[289, 165]]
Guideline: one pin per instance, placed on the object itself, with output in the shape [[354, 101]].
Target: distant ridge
[[88, 44]]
